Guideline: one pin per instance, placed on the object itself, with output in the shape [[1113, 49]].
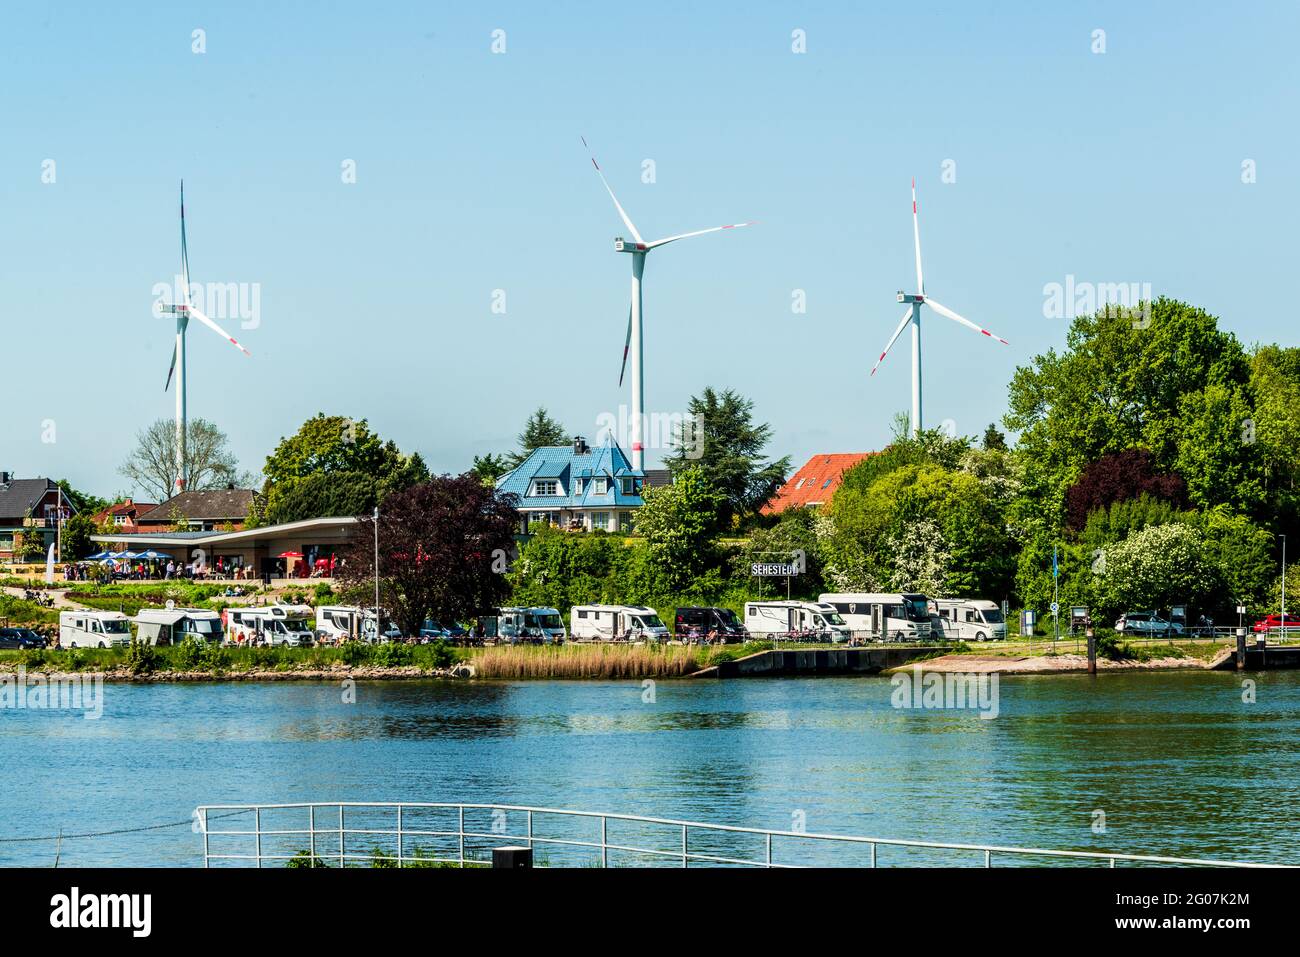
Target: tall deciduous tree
[[731, 454], [1118, 477], [680, 522], [209, 463], [443, 549], [334, 465]]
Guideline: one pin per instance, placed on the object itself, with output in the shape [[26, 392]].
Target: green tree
[[1121, 384], [539, 431], [76, 537], [721, 439], [679, 523], [490, 467], [1158, 567], [333, 462]]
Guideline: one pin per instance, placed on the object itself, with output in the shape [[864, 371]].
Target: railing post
[[988, 858], [311, 829], [604, 849], [530, 829], [685, 859], [400, 858], [461, 809], [257, 826], [343, 854], [1112, 863], [203, 822], [769, 848]]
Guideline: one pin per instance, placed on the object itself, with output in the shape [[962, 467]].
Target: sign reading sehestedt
[[773, 569]]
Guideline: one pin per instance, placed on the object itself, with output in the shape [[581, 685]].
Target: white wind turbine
[[639, 249], [913, 315], [182, 311]]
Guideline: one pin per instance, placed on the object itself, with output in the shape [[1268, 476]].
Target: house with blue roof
[[577, 487]]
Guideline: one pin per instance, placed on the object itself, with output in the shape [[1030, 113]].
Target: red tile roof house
[[123, 516], [218, 509], [814, 483]]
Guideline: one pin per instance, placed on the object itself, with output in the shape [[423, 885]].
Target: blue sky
[[376, 296]]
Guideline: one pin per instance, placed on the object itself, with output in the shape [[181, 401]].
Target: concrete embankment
[[340, 673], [1063, 664], [816, 661]]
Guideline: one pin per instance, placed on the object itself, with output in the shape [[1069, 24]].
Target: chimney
[[5, 479], [580, 446]]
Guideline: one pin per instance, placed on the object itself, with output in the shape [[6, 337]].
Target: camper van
[[967, 619], [615, 622], [701, 621], [93, 629], [270, 625], [883, 616], [786, 617], [533, 623], [335, 623], [171, 626]]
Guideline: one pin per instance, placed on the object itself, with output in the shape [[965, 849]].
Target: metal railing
[[323, 842]]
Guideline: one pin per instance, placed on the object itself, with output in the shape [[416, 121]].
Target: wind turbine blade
[[627, 343], [170, 370], [698, 232], [217, 329], [627, 221], [907, 317], [916, 235], [185, 255], [943, 310]]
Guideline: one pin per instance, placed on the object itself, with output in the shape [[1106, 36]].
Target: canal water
[[1177, 763]]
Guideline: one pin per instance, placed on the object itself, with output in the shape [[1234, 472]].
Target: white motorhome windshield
[[116, 626], [992, 615], [544, 621], [650, 621], [915, 608], [295, 624], [832, 618]]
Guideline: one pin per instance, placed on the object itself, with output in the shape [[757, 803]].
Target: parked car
[[13, 639], [432, 631], [1271, 623], [1146, 623]]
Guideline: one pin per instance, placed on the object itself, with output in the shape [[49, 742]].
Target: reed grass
[[572, 660]]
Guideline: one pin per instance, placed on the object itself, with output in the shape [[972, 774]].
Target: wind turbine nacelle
[[904, 297], [623, 246]]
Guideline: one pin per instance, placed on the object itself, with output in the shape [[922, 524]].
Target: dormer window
[[599, 486], [629, 485], [577, 486], [545, 487]]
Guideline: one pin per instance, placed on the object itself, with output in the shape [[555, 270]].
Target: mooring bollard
[[1241, 649], [512, 857], [1092, 650]]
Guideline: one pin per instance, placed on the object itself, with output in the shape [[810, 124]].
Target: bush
[[393, 655], [354, 652], [142, 658], [189, 653]]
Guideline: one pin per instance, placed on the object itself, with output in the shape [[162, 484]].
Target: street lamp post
[[377, 635]]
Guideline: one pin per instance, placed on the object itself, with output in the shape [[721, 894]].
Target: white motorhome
[[785, 617], [610, 622], [270, 625], [171, 626], [533, 623], [968, 619], [883, 616], [93, 629], [341, 622]]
